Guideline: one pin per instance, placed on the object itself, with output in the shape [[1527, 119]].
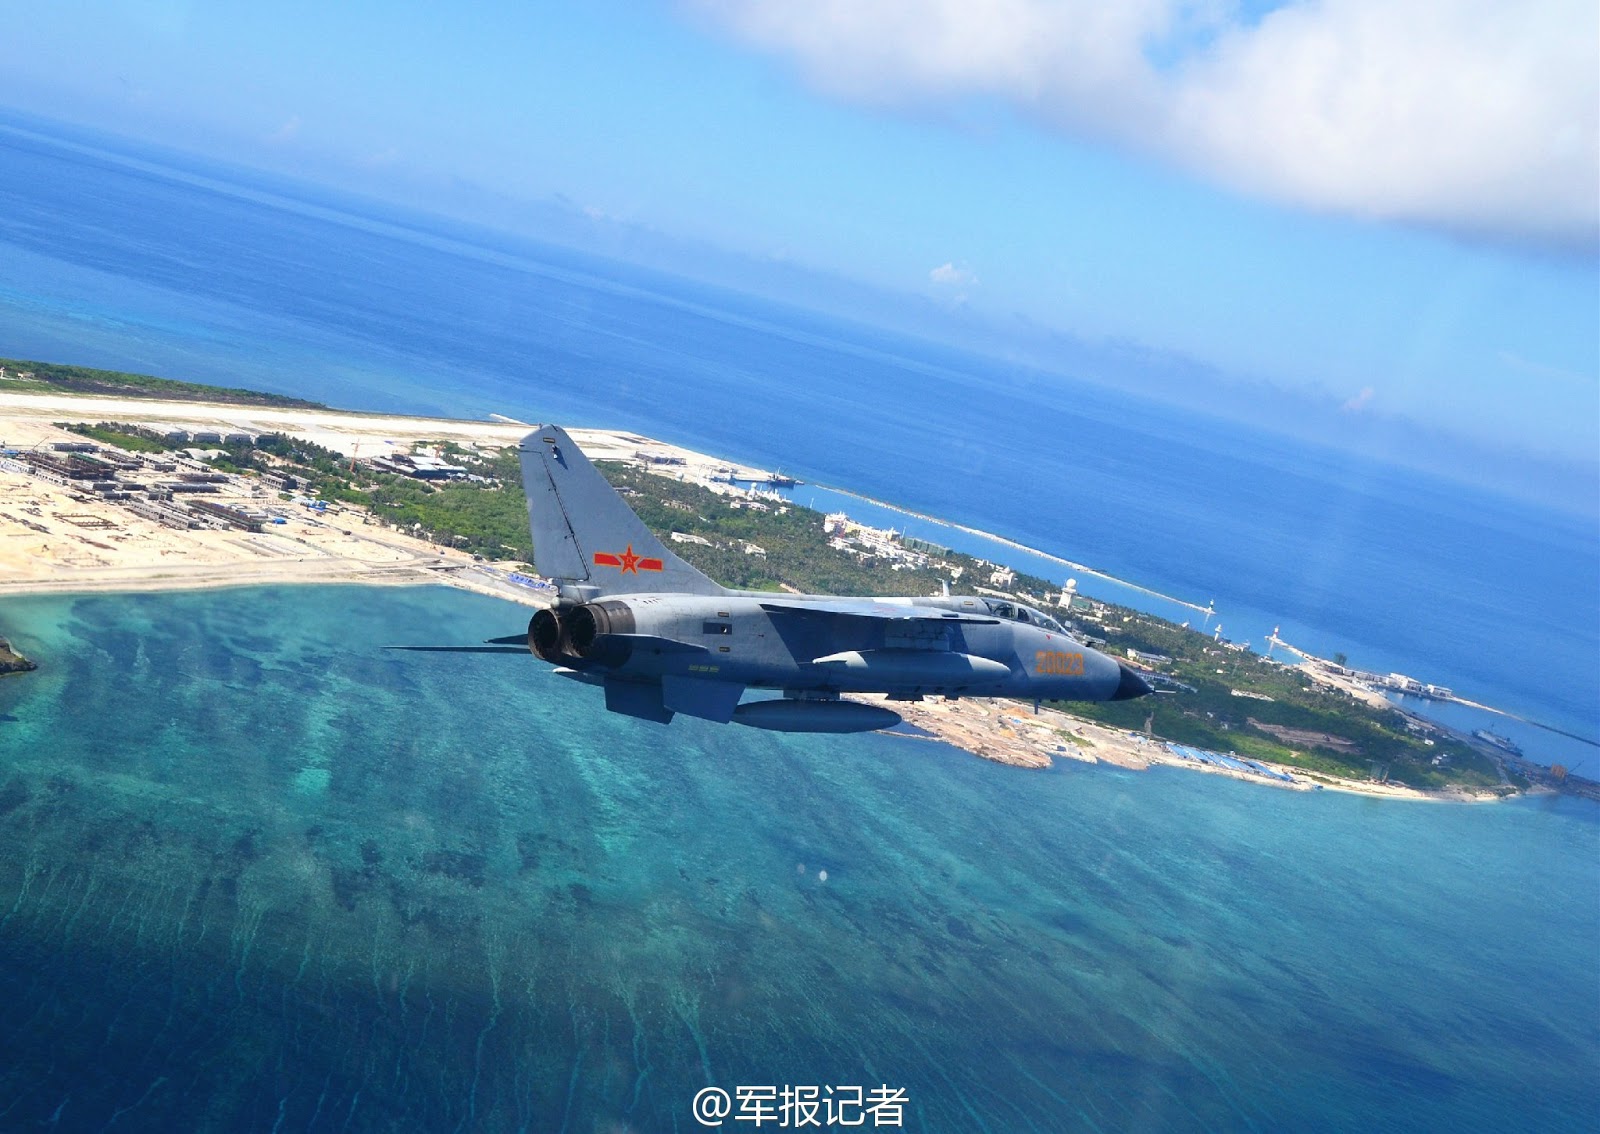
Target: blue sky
[[1200, 179]]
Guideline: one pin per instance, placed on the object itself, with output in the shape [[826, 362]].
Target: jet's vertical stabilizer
[[585, 535]]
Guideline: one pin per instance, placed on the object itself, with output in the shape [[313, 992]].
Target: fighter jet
[[660, 638]]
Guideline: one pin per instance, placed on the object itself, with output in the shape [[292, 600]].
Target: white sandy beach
[[25, 419]]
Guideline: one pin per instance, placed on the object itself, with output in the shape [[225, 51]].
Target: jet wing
[[883, 611]]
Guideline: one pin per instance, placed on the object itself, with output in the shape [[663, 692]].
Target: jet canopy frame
[[1025, 614]]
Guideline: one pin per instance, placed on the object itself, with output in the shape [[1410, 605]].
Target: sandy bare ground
[[58, 538], [89, 544], [25, 416]]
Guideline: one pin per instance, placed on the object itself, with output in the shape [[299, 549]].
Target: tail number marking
[[1058, 664], [627, 562]]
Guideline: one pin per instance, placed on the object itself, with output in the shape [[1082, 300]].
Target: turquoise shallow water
[[256, 873]]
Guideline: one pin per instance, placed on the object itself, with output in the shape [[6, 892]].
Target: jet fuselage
[[902, 647]]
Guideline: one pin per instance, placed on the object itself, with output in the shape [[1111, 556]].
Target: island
[[12, 662], [119, 482]]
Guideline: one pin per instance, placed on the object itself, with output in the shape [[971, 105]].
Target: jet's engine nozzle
[[547, 637], [592, 621]]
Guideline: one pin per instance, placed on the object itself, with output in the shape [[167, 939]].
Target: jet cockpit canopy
[[1017, 612]]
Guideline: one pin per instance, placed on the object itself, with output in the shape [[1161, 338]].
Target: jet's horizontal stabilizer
[[640, 699], [462, 649]]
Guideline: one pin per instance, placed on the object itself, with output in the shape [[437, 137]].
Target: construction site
[[77, 514]]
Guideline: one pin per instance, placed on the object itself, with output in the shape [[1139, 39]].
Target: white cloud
[[948, 273], [1475, 116], [1360, 402]]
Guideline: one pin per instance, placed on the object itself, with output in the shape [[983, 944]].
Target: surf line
[[1011, 543]]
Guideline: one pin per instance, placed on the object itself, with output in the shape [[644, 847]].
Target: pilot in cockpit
[[1016, 612]]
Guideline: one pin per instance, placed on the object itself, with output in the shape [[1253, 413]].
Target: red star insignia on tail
[[628, 563]]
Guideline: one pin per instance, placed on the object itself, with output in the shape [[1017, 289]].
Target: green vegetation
[[795, 546], [797, 553], [493, 524], [133, 441], [23, 376], [487, 517], [1304, 724]]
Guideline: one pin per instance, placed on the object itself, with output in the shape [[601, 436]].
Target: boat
[[1505, 744]]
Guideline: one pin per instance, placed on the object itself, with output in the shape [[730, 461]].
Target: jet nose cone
[[1131, 685]]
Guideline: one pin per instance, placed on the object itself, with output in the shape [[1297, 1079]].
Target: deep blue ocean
[[261, 876]]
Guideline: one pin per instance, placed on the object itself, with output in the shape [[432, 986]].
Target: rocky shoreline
[[13, 662]]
